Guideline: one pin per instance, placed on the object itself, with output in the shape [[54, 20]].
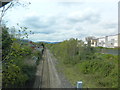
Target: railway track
[[45, 79], [42, 75], [47, 75]]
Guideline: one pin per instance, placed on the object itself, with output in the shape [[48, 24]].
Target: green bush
[[13, 76], [16, 72], [38, 55], [6, 42], [105, 71], [29, 71], [102, 68]]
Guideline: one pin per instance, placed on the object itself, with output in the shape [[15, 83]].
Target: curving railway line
[[42, 76], [47, 75], [45, 79]]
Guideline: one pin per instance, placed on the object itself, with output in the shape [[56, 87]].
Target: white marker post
[[79, 85]]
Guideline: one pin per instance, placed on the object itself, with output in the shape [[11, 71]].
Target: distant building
[[101, 42], [110, 41], [94, 42]]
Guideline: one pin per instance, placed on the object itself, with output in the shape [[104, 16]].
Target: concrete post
[[106, 41], [79, 85]]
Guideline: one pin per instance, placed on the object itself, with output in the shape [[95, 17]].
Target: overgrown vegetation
[[19, 67], [83, 63]]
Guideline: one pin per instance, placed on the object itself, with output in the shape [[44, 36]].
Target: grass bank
[[94, 69], [93, 73]]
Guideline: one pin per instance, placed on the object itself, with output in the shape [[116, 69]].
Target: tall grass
[[81, 62]]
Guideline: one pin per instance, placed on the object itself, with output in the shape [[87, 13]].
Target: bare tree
[[11, 4], [4, 9]]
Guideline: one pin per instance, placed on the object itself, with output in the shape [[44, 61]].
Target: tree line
[[79, 61]]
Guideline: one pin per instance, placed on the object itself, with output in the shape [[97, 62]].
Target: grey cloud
[[59, 24], [45, 31], [41, 24], [91, 18], [47, 25], [38, 22], [69, 4], [79, 28], [110, 26]]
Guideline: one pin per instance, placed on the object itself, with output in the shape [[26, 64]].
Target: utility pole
[[119, 26]]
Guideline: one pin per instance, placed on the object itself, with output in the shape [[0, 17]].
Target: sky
[[59, 20]]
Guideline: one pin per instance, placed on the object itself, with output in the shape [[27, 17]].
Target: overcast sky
[[59, 20]]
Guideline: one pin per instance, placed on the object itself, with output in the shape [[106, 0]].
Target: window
[[111, 43]]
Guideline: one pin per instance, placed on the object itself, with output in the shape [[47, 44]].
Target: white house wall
[[113, 41], [108, 41], [101, 42]]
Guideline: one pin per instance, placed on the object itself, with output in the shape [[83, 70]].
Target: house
[[94, 42], [101, 42], [110, 41]]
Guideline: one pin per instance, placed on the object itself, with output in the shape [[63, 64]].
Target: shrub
[[13, 76], [29, 71], [6, 42], [101, 67]]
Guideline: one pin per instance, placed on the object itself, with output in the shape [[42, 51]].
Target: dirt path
[[47, 75]]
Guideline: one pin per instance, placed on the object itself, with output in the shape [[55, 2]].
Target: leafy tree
[[16, 72], [6, 42]]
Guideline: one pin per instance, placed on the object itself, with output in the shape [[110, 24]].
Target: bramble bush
[[13, 76], [16, 72]]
